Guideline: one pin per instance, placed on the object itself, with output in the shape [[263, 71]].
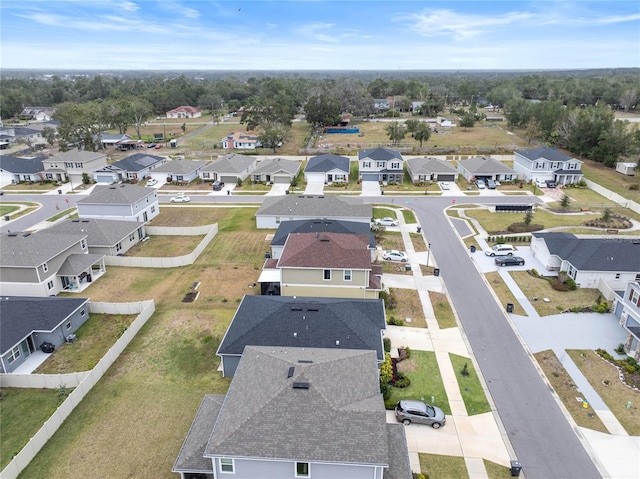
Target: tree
[[396, 131], [411, 124], [322, 110], [533, 129], [628, 99], [49, 134], [80, 125], [422, 133], [140, 109], [273, 135], [467, 121], [564, 202], [528, 217]]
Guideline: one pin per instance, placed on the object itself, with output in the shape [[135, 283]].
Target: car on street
[[152, 182], [387, 221], [180, 199], [218, 185], [395, 255], [500, 250], [408, 411], [510, 261], [551, 184], [444, 185], [480, 184]]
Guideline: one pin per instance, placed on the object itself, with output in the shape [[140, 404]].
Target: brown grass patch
[[408, 305], [407, 366], [442, 309], [165, 246], [504, 293]]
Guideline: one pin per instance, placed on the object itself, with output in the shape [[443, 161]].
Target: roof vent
[[75, 221], [300, 385], [85, 221], [313, 309], [305, 361], [296, 308], [26, 234], [12, 234], [337, 343], [291, 370], [325, 240]]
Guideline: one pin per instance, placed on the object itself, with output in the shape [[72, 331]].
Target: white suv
[[500, 250]]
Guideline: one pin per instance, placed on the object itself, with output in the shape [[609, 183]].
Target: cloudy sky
[[319, 34]]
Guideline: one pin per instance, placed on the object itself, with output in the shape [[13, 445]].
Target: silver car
[[408, 411]]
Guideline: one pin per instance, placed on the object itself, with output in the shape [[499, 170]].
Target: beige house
[[71, 164], [326, 265]]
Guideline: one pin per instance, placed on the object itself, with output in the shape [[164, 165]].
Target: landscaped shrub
[[634, 187], [386, 369], [407, 352], [385, 390], [402, 381], [571, 284], [620, 349], [392, 320], [387, 344], [559, 285]]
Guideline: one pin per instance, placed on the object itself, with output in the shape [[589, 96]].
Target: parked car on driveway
[[408, 411], [480, 184], [152, 182], [510, 261], [218, 185], [394, 255], [180, 199], [387, 221], [551, 184], [491, 184], [444, 185], [541, 183], [151, 145], [500, 250]]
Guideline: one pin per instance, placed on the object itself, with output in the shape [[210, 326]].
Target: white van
[[500, 250]]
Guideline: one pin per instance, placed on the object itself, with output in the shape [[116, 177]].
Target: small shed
[[626, 168]]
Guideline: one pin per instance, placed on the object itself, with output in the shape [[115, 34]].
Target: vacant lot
[[612, 180], [408, 305], [165, 246]]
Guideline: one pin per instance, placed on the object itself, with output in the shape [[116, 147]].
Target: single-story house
[[627, 307], [284, 416], [240, 141], [132, 168], [15, 170], [276, 209], [276, 170], [70, 165], [485, 168], [184, 112], [182, 171], [46, 262], [119, 141], [627, 168], [27, 322], [120, 202], [547, 164], [22, 134], [600, 263], [229, 168], [380, 164], [37, 113], [430, 169], [107, 237], [318, 226], [302, 322], [327, 169]]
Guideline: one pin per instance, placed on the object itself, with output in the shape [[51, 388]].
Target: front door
[[145, 218], [329, 178], [65, 282]]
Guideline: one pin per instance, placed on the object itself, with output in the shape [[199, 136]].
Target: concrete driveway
[[278, 189], [314, 188], [371, 188]]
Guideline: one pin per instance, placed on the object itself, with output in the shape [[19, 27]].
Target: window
[[132, 236], [634, 296], [119, 247], [68, 325], [302, 469], [83, 244], [638, 277], [205, 175], [347, 275], [226, 465], [366, 164], [78, 165], [617, 275], [395, 165], [45, 267], [68, 164], [572, 272], [277, 220], [50, 285], [14, 354], [327, 274], [153, 208], [381, 164], [82, 313]]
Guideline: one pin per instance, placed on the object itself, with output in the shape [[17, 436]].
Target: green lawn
[[472, 393], [443, 467], [426, 382], [7, 209], [493, 222], [442, 309]]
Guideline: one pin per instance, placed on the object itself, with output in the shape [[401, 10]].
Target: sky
[[319, 34]]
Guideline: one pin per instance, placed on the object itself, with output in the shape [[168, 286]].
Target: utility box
[[509, 307], [174, 143], [516, 467]]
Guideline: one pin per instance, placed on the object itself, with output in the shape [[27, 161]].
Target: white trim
[[233, 465]]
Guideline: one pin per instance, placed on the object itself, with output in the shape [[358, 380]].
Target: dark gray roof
[[76, 264], [33, 249], [99, 232], [321, 225], [122, 194], [426, 166], [379, 154], [277, 165], [138, 162], [550, 154], [326, 163], [594, 254], [399, 463], [340, 418], [485, 165], [191, 457], [568, 172], [232, 163], [314, 206], [332, 323], [21, 315], [180, 166], [13, 164]]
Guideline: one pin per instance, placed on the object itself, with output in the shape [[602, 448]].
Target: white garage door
[[104, 179]]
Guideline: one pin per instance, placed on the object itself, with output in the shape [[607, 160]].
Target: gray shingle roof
[[33, 249], [76, 264], [326, 163], [485, 165], [594, 254], [326, 250], [277, 165], [321, 225], [180, 166], [314, 207], [340, 418], [399, 464], [426, 166], [123, 194], [232, 163], [99, 232], [13, 164], [138, 162], [77, 155], [190, 458], [21, 315], [550, 154], [333, 323], [379, 154]]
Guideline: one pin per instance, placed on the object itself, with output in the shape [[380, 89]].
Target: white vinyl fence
[[85, 381], [615, 197]]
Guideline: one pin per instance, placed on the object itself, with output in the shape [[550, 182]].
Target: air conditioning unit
[[71, 338]]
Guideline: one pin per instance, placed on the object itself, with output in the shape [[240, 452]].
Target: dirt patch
[[190, 297], [407, 366]]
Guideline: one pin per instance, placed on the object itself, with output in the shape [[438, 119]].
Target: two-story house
[[328, 265], [381, 165], [71, 165], [627, 308], [547, 164], [300, 322], [107, 237], [286, 415], [46, 262], [120, 202]]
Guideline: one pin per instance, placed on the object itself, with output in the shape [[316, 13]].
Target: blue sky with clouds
[[318, 35]]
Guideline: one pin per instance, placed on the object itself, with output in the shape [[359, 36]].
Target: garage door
[[231, 180], [446, 177], [370, 177], [281, 179], [315, 178], [104, 179]]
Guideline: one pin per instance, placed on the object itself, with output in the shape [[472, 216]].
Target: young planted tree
[[564, 202]]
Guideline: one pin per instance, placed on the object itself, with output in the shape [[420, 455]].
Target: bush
[[620, 349], [387, 344], [603, 353], [392, 320], [407, 351], [558, 285], [402, 381], [634, 187], [571, 284], [385, 389]]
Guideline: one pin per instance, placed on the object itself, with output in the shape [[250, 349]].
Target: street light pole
[[428, 253]]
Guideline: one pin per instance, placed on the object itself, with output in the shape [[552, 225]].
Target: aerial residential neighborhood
[[319, 240]]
